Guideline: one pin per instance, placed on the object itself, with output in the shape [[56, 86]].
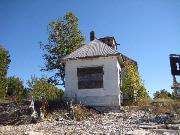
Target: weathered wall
[[108, 95]]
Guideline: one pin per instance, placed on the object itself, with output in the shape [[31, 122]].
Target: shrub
[[162, 94], [132, 86], [144, 102], [177, 106], [42, 88], [4, 64], [80, 112], [15, 88]]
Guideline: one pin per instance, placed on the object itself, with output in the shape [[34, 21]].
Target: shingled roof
[[96, 48]]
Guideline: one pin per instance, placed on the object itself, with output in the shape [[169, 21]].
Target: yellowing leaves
[[132, 84]]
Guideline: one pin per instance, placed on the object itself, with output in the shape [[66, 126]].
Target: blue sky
[[147, 31]]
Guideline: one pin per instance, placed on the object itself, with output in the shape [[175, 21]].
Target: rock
[[148, 126], [33, 133], [126, 122], [166, 132], [12, 114], [139, 132], [173, 126]]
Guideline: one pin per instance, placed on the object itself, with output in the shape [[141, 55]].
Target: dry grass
[[76, 112], [80, 112], [163, 106], [160, 106], [5, 101]]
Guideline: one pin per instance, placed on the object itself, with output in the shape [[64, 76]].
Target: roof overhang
[[89, 57]]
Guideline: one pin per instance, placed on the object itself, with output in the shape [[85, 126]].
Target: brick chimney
[[110, 41], [92, 35]]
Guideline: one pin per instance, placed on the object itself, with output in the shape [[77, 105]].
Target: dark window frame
[[90, 77]]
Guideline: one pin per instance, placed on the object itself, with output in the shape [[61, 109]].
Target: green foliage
[[15, 88], [4, 62], [64, 38], [162, 94], [132, 84], [42, 88]]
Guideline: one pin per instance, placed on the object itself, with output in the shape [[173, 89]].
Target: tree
[[4, 64], [15, 88], [64, 38], [40, 87], [132, 84], [162, 94]]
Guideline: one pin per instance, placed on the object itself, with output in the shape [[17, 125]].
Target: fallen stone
[[33, 133]]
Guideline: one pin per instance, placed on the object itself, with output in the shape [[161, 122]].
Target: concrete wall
[[109, 95]]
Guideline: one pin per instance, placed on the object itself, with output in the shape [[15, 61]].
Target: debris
[[125, 122]]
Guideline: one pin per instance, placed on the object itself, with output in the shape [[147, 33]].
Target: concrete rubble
[[123, 123]]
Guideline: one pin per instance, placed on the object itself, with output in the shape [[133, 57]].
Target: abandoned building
[[93, 73]]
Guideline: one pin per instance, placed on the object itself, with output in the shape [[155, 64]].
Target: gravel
[[123, 123]]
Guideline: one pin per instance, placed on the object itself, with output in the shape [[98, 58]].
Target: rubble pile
[[124, 122], [13, 114]]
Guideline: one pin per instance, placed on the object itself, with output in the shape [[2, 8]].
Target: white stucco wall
[[109, 95]]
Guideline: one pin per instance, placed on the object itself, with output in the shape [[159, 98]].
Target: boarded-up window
[[90, 77]]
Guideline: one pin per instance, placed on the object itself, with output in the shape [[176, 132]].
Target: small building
[[93, 73]]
